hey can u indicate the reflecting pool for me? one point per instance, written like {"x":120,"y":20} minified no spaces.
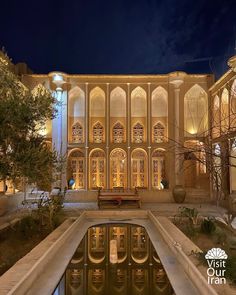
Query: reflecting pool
{"x":115,"y":259}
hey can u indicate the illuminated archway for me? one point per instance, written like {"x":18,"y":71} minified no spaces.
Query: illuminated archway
{"x":139,"y":168}
{"x":159,"y":112}
{"x":118,"y":168}
{"x":195,"y":111}
{"x":76,"y":114}
{"x":97,"y":169}
{"x":158,"y":169}
{"x":76,"y":168}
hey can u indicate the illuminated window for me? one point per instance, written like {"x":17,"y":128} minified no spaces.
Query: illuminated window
{"x":76,"y":161}
{"x":158,"y":169}
{"x":98,"y":133}
{"x":139,"y":168}
{"x":158,"y":133}
{"x":118,"y":133}
{"x":138,"y":133}
{"x":118,"y":168}
{"x":97,"y":169}
{"x":77,"y":133}
{"x":195,"y":111}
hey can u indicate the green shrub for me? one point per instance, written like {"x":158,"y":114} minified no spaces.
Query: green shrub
{"x":208,"y":226}
{"x":219,"y":236}
{"x":28,"y":226}
{"x":191,"y":213}
{"x":231,"y":269}
{"x":190,"y":231}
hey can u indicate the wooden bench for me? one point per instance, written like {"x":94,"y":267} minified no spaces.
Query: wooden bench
{"x":118,"y":197}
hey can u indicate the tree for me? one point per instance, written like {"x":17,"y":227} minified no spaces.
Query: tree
{"x":23,"y":114}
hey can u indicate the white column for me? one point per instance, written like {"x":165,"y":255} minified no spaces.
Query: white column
{"x":107,"y":137}
{"x":177,"y":82}
{"x":59,"y":126}
{"x":128,"y":136}
{"x":149,"y":135}
{"x":59,"y":132}
{"x":86,"y":174}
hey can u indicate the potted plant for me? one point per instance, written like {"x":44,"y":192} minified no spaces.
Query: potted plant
{"x":179,"y":194}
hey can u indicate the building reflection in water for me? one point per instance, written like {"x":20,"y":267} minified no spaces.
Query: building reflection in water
{"x":138,"y":271}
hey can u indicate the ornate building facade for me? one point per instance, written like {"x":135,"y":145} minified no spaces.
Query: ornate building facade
{"x":128,"y":131}
{"x":223,"y":130}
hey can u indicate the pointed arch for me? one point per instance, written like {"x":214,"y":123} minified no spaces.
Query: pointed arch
{"x":118,"y":102}
{"x":233,"y":105}
{"x":97,"y":168}
{"x":159,"y":102}
{"x":159,"y":180}
{"x":76,"y":169}
{"x":139,"y":168}
{"x":216,"y":117}
{"x":76,"y":112}
{"x":195,"y":110}
{"x":224,"y":111}
{"x":76,"y":102}
{"x":118,"y":168}
{"x":138,"y":102}
{"x":97,"y":102}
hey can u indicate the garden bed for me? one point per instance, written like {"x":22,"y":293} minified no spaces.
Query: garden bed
{"x":19,"y":239}
{"x":208,"y":233}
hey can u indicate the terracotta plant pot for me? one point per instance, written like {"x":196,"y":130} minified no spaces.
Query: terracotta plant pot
{"x":179,"y":194}
{"x":3,"y":204}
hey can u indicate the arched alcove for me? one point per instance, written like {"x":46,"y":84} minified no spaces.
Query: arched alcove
{"x":224,"y":110}
{"x":159,"y":180}
{"x":118,"y":168}
{"x":139,"y":109}
{"x":195,"y":111}
{"x":97,"y":169}
{"x":139,"y":168}
{"x":159,"y":112}
{"x":97,"y":110}
{"x":216,"y":117}
{"x":76,"y":111}
{"x":117,"y":111}
{"x":76,"y":168}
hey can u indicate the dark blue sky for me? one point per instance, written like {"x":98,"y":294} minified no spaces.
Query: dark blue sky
{"x":119,"y":36}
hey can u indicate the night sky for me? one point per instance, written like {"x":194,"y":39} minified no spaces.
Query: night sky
{"x":120,"y":36}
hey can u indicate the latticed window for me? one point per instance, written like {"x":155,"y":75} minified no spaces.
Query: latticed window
{"x":138,"y":133}
{"x":118,"y":133}
{"x":77,"y":133}
{"x":97,"y":169}
{"x":98,"y":132}
{"x":158,"y":132}
{"x":158,"y":168}
{"x":77,"y":168}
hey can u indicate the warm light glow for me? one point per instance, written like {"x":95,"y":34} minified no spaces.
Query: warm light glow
{"x":113,"y":252}
{"x":192,"y":131}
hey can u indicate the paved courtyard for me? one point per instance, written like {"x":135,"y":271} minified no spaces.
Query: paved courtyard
{"x":16,"y":209}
